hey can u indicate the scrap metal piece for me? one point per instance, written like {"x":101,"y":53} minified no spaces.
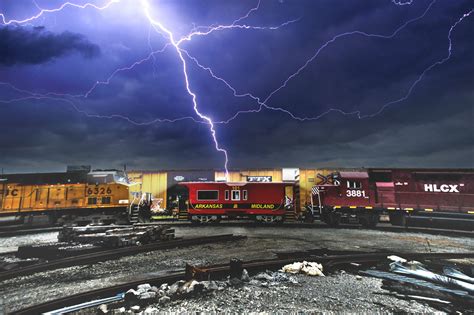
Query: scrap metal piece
{"x":456,"y":273}
{"x":195,"y":273}
{"x":417,"y":282}
{"x":418,"y":271}
{"x":78,"y":307}
{"x":236,"y":268}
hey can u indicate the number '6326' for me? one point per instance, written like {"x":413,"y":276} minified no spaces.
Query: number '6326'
{"x":99,"y":191}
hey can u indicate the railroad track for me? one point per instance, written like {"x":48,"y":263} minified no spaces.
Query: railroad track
{"x":216,"y":272}
{"x":300,"y":225}
{"x":15,"y":232}
{"x":113,"y":254}
{"x":318,"y":225}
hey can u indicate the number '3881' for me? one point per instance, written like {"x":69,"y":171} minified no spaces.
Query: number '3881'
{"x":355,"y":193}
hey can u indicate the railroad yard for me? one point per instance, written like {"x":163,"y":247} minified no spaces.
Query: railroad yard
{"x":259,"y":288}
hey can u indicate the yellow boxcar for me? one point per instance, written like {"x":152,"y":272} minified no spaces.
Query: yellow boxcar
{"x":24,"y":198}
{"x":153,"y":182}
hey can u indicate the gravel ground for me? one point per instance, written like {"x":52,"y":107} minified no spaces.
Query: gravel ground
{"x":261,"y":243}
{"x":334,"y":294}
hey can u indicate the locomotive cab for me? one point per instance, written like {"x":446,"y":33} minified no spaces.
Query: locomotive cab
{"x":345,"y":198}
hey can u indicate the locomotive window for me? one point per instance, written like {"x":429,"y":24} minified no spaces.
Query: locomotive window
{"x":244,"y":195}
{"x":208,"y":195}
{"x":92,"y":201}
{"x":354,"y":184}
{"x":235,"y":194}
{"x":226,"y":195}
{"x":385,"y":177}
{"x":105,"y":200}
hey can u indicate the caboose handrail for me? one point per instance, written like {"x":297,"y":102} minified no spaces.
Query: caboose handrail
{"x":131,"y":204}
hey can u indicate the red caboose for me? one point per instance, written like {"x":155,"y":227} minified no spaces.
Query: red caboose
{"x":213,"y":201}
{"x":408,"y":195}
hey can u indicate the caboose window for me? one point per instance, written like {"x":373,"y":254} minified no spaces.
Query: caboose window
{"x":236,"y":195}
{"x":244,"y":195}
{"x":226,"y":195}
{"x":354,"y":184}
{"x":208,"y":195}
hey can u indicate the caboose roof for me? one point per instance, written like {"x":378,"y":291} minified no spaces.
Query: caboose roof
{"x":354,"y":174}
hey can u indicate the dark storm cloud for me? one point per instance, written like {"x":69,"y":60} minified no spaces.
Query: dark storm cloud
{"x":36,"y":45}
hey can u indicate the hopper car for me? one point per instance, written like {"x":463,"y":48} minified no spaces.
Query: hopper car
{"x":408,"y":196}
{"x":100,"y":197}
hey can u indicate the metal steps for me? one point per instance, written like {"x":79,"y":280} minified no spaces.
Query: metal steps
{"x":183,"y":215}
{"x":134,"y":214}
{"x":290,"y":216}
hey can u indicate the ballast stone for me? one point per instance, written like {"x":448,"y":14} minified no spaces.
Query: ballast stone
{"x":245,"y":276}
{"x":164,"y":300}
{"x":145,"y":287}
{"x":147,"y":295}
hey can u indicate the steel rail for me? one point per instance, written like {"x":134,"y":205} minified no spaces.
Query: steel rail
{"x":220,"y":271}
{"x":381,"y":227}
{"x":14,"y":232}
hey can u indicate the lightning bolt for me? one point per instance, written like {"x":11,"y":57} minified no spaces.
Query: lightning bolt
{"x":427,"y":69}
{"x":401,"y":3}
{"x":263,"y":104}
{"x":64,"y":5}
{"x":175,"y":44}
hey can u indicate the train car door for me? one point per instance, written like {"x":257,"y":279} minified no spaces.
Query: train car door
{"x":177,"y":195}
{"x":385,"y":194}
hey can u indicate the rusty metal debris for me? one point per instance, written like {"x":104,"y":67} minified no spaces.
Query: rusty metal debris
{"x":451,"y":291}
{"x":116,"y":236}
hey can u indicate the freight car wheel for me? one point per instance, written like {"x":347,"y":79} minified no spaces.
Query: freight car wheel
{"x":398,"y":219}
{"x":369,"y":221}
{"x":308,"y":217}
{"x":334,"y":219}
